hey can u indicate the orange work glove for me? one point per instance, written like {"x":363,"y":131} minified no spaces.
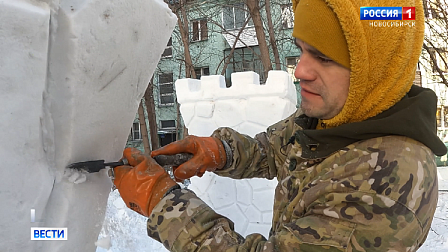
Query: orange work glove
{"x":208,"y":155}
{"x":142,"y":184}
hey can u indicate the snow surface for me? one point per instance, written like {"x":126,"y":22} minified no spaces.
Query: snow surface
{"x":72,"y":73}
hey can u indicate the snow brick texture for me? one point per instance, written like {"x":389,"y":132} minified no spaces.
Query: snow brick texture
{"x":72,"y":73}
{"x":249,"y":108}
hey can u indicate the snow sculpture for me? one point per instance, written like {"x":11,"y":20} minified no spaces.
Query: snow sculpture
{"x":72,"y":73}
{"x":249,"y":108}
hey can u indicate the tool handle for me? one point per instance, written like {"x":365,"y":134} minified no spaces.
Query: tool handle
{"x":162,"y":160}
{"x":124,"y":161}
{"x":173,"y":160}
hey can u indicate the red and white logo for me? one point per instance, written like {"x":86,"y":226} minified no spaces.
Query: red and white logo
{"x":408,"y":13}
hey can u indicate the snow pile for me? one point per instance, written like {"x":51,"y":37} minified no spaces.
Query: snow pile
{"x":437,"y":239}
{"x":125,"y":229}
{"x":72,"y":73}
{"x":103,"y":243}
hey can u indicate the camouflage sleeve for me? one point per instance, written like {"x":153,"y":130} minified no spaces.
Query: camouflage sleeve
{"x":183,"y":222}
{"x":375,"y":195}
{"x":259,"y":156}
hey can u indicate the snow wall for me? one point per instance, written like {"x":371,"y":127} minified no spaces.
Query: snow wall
{"x":249,"y":108}
{"x":72,"y":73}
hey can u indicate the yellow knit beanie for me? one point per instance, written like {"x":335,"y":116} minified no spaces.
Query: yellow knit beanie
{"x":383,"y":55}
{"x":316,"y":24}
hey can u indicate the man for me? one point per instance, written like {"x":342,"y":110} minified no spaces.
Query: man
{"x":355,"y":163}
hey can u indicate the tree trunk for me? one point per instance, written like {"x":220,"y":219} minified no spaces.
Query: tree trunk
{"x":254,"y":10}
{"x":143,"y":130}
{"x":272,"y":35}
{"x":178,"y":124}
{"x":433,"y":59}
{"x":151,"y":111}
{"x":182,"y":22}
{"x":436,"y":20}
{"x":229,"y":57}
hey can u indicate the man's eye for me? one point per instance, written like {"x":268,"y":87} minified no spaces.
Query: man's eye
{"x":324,"y":59}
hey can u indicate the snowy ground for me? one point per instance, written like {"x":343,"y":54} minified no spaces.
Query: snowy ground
{"x":438,"y":236}
{"x":127,"y":229}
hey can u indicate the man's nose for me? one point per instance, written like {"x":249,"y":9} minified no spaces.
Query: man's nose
{"x":303,"y":69}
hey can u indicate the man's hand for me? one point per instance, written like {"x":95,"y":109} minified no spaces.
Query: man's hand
{"x":142,"y":183}
{"x":208,"y":155}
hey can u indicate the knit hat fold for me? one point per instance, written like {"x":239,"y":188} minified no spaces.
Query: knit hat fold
{"x":382,"y":59}
{"x":317,"y":24}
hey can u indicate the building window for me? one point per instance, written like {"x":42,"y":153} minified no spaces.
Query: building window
{"x":167,"y":124}
{"x":166,"y":138}
{"x":169,"y":49}
{"x":166,"y":89}
{"x":135,"y":131}
{"x":442,"y":114}
{"x":287,"y":16}
{"x":234,"y":16}
{"x":200,"y":30}
{"x":244,"y":59}
{"x":291,"y":63}
{"x":167,"y":132}
{"x":202,"y":71}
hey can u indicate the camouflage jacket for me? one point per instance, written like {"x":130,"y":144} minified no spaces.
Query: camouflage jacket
{"x":374,"y":194}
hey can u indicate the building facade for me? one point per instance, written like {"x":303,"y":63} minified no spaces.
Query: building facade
{"x":221,"y":40}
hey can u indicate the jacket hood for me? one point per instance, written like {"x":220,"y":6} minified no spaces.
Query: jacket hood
{"x":383,"y":60}
{"x":413,"y":117}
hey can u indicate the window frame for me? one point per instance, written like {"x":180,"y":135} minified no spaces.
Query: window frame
{"x":165,"y":94}
{"x":202,"y":72}
{"x":245,"y":59}
{"x":167,"y":128}
{"x":169,"y":47}
{"x":439,"y":116}
{"x":285,"y":18}
{"x":246,"y":15}
{"x":291,"y":68}
{"x":133,"y":131}
{"x":199,"y":27}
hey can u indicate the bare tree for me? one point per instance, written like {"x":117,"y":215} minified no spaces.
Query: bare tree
{"x":254,"y":10}
{"x":435,"y":45}
{"x":272,"y":36}
{"x":151,"y":112}
{"x":178,"y":8}
{"x":143,"y":130}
